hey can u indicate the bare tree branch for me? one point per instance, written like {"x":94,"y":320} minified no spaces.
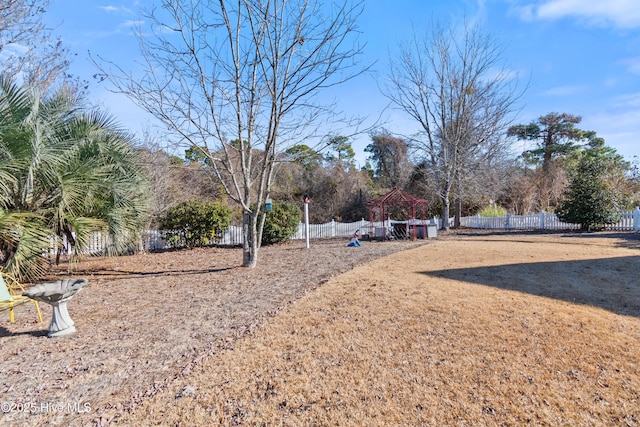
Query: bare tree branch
{"x":27,"y":50}
{"x":452,"y":85}
{"x":240,"y":79}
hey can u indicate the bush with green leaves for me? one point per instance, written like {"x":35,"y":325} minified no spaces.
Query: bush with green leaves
{"x":281,"y":223}
{"x":492,"y":210}
{"x":596,"y":194}
{"x":195,"y":223}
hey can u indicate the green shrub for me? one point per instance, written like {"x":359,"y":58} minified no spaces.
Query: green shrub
{"x":195,"y":223}
{"x":594,"y":197}
{"x":281,"y":223}
{"x":492,"y":210}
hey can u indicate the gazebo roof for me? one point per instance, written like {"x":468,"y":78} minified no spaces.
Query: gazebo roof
{"x":395,"y":197}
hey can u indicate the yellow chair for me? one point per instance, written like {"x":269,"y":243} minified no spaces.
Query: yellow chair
{"x":11,"y":296}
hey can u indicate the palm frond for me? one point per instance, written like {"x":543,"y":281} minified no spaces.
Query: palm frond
{"x":24,"y":244}
{"x":75,"y":170}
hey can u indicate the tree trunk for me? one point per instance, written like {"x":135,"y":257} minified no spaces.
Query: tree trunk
{"x":250,"y":239}
{"x":445,"y":212}
{"x":458,"y":212}
{"x":263,"y":91}
{"x":255,"y":247}
{"x":246,"y":240}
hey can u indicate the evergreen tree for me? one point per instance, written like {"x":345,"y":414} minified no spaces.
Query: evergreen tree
{"x":595,"y":195}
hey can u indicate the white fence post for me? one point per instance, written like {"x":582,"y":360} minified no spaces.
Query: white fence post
{"x":233,"y":236}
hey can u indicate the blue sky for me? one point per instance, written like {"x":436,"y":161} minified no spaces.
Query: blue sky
{"x":576,"y":56}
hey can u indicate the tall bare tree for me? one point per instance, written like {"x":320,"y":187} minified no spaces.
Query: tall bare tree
{"x":452,"y":84}
{"x":240,"y":79}
{"x":482,"y":168}
{"x":27,"y":49}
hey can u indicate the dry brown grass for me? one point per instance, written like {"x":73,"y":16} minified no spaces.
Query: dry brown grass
{"x":484,"y":330}
{"x":469,"y":329}
{"x":146,"y":320}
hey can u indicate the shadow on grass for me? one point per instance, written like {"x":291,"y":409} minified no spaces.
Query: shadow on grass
{"x":4,"y":332}
{"x":609,"y":283}
{"x":129,"y":274}
{"x":628,"y":239}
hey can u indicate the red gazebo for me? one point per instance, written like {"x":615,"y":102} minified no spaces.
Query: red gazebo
{"x":396,"y":202}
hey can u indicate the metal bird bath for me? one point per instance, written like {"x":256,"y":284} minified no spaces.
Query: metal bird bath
{"x":57,"y":294}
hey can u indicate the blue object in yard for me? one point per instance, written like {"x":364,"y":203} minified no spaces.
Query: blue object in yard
{"x":354,"y":242}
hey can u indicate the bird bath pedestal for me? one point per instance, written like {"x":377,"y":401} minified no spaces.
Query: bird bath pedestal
{"x":57,"y":294}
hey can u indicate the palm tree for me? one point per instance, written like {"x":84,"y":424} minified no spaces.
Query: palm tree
{"x":71,"y":172}
{"x":23,"y":240}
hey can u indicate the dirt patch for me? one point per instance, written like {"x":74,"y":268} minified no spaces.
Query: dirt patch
{"x":146,"y":320}
{"x":468,"y":329}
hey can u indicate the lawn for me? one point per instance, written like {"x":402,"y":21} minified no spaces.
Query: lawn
{"x":466,"y":329}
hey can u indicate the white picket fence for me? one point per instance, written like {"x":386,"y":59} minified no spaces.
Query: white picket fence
{"x":233,"y":235}
{"x":154,"y":240}
{"x":629,"y":221}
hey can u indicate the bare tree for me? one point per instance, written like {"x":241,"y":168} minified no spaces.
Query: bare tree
{"x":172,"y":180}
{"x":27,"y":48}
{"x":482,"y":168}
{"x":452,"y":86}
{"x":239,"y":79}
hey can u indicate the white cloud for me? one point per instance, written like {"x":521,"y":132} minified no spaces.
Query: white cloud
{"x":624,"y":139}
{"x":617,"y":13}
{"x":129,"y":24}
{"x":629,"y":100}
{"x":618,"y":122}
{"x":115,"y":9}
{"x":122,"y":28}
{"x":569,"y":90}
{"x":633,"y":64}
{"x":501,"y":74}
{"x":13,"y":49}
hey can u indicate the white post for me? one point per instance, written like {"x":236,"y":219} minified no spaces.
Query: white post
{"x":306,"y":223}
{"x":636,"y":218}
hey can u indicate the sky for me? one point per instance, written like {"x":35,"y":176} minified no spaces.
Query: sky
{"x":571,"y":56}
